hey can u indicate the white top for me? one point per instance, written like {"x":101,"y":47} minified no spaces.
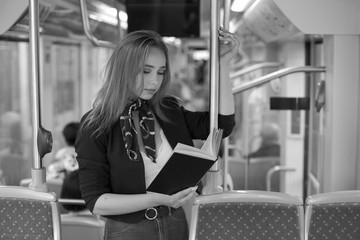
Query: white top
{"x":163,"y":153}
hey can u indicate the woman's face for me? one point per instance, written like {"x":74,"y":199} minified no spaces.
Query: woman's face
{"x":153,"y":74}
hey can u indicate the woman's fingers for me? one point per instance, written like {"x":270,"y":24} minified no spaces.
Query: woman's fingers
{"x":181,"y":197}
{"x":186,"y":192}
{"x":229,"y":44}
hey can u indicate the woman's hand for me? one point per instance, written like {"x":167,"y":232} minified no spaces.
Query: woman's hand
{"x":229,"y":45}
{"x":177,"y":199}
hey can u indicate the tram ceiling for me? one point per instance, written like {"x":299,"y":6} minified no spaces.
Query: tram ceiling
{"x":64,"y":18}
{"x":187,"y":19}
{"x":263,"y":20}
{"x":278,"y":20}
{"x":269,"y":20}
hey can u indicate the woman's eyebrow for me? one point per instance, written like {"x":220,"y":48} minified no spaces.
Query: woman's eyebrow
{"x":151,"y":66}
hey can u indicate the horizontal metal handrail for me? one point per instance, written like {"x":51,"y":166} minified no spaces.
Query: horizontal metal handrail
{"x":254,"y":68}
{"x":71,"y":201}
{"x":277,"y":74}
{"x":86,"y":25}
{"x":314,"y":182}
{"x":272,"y":170}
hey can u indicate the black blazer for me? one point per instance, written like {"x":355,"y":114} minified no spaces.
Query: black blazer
{"x":105,"y":167}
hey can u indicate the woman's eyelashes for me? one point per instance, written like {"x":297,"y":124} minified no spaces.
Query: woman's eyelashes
{"x":147,"y":71}
{"x":161,"y":72}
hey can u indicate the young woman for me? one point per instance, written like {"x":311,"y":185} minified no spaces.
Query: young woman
{"x":127,"y":137}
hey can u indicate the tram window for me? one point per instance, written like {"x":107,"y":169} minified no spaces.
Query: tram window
{"x":15,"y":123}
{"x":176,"y":18}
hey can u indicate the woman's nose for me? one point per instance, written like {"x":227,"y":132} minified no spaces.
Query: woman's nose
{"x":155,"y":78}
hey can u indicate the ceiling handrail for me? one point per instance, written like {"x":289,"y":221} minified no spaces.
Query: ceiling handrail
{"x":86,"y":25}
{"x":254,"y":68}
{"x":274,"y":75}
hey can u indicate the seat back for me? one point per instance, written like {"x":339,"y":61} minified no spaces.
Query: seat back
{"x":28,"y":214}
{"x":82,"y":227}
{"x":333,"y":215}
{"x":54,"y":185}
{"x":247,"y":215}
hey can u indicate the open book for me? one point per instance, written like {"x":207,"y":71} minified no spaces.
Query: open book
{"x":187,"y":165}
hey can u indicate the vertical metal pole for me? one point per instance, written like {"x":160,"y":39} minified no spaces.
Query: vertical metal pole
{"x":37,"y":172}
{"x":34,"y":69}
{"x":213,"y":177}
{"x":214,"y":65}
{"x":227,"y":5}
{"x":119,"y":21}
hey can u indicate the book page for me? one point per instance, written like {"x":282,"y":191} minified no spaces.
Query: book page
{"x":212,"y":143}
{"x":207,"y":146}
{"x":193,"y":151}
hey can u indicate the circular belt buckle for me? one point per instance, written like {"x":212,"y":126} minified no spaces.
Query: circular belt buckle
{"x":155,"y":214}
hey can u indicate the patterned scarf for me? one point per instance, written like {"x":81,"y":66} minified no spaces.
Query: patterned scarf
{"x":147,"y":127}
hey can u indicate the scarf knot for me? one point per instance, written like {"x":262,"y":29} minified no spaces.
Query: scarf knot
{"x":147,"y":130}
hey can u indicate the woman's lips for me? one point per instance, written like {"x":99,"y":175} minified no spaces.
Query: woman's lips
{"x":151,"y":90}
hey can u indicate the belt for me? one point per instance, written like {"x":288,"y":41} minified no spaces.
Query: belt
{"x":159,"y":211}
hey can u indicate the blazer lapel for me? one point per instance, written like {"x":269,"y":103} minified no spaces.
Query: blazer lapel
{"x":169,"y":133}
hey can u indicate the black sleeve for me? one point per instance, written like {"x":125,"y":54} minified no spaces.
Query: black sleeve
{"x":199,"y":123}
{"x":93,"y":166}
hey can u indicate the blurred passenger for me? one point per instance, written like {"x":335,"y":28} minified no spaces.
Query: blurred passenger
{"x":65,"y":158}
{"x":128,"y":136}
{"x":270,"y":146}
{"x":69,"y":133}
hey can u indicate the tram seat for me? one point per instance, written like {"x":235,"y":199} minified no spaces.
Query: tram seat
{"x":54,"y":184}
{"x":82,"y":227}
{"x":28,"y":214}
{"x":258,"y":168}
{"x":25,"y":182}
{"x":333,"y":215}
{"x":247,"y":215}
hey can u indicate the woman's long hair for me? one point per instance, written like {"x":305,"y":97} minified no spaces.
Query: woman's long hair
{"x":119,"y":88}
